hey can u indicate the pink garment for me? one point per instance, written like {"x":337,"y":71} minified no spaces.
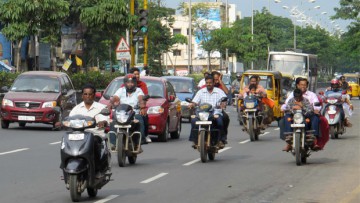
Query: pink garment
{"x":259,"y":89}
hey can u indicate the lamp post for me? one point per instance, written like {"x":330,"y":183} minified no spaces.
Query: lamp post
{"x":190,"y":40}
{"x":252,"y":32}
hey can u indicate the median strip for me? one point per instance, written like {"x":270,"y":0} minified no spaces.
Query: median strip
{"x":154,"y":178}
{"x":13,"y":151}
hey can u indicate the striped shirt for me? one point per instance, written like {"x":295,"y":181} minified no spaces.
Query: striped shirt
{"x":204,"y":96}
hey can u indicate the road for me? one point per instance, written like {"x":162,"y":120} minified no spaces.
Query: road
{"x":171,"y":172}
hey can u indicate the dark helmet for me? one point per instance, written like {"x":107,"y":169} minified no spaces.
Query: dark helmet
{"x":128,"y":78}
{"x":335,"y":83}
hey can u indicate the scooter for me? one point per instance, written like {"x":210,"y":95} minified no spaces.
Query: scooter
{"x":332,"y":113}
{"x":207,"y":143}
{"x":82,"y":167}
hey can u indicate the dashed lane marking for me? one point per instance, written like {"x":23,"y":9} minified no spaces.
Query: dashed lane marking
{"x":54,"y":143}
{"x":154,"y":178}
{"x":277,"y":129}
{"x":246,"y":141}
{"x":108,"y":198}
{"x":13,"y":151}
{"x":197,"y":160}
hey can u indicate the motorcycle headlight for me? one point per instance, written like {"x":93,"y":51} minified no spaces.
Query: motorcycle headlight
{"x":155,"y":110}
{"x":332,"y":101}
{"x":6,"y":102}
{"x":298,"y":118}
{"x":250,"y":105}
{"x":49,"y":104}
{"x":78,"y":123}
{"x":184,"y":103}
{"x":122,"y":117}
{"x":204,"y":116}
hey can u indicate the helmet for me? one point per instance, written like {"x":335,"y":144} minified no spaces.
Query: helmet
{"x":128,"y":78}
{"x":335,"y":83}
{"x":238,"y":75}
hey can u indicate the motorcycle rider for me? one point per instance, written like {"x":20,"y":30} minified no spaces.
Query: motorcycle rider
{"x":142,"y":85}
{"x":259,"y":88}
{"x":335,"y":87}
{"x":91,"y":108}
{"x":131,"y":95}
{"x":211,"y":95}
{"x":298,"y":102}
{"x":302,"y":84}
{"x":202,"y":81}
{"x":235,"y":85}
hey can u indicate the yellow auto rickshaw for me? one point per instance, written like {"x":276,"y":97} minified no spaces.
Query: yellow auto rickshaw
{"x":354,"y":82}
{"x":276,"y":85}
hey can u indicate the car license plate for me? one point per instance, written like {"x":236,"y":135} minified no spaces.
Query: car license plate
{"x":76,"y":136}
{"x":26,"y":118}
{"x":297,"y":125}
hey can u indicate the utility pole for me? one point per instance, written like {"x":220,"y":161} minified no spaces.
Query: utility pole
{"x":227,"y":25}
{"x":190,"y":40}
{"x":252,"y":32}
{"x":146,"y":39}
{"x":132,"y":47}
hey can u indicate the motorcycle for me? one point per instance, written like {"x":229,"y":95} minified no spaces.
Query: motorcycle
{"x":128,"y":139}
{"x":332,"y":113}
{"x":207,"y":143}
{"x":82,"y":167}
{"x":250,"y":116}
{"x":302,"y":140}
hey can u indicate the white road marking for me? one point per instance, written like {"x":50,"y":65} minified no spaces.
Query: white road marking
{"x":154,"y":178}
{"x":54,"y":143}
{"x":17,"y":150}
{"x":197,"y":160}
{"x":246,"y":141}
{"x":108,"y":198}
{"x":265,"y":133}
{"x":277,"y":129}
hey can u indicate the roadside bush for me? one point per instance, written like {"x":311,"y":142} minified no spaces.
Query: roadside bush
{"x":100,"y":80}
{"x":7,"y":78}
{"x":197,"y":77}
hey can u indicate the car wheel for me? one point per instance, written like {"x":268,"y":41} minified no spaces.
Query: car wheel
{"x":163,"y":137}
{"x":22,"y":124}
{"x":176,"y":134}
{"x":58,"y":120}
{"x":5,"y":124}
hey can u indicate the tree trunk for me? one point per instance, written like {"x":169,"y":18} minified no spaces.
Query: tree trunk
{"x":18,"y":57}
{"x":209,"y":62}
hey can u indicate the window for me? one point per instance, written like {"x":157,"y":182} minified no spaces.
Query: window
{"x":176,"y":31}
{"x":177,"y":52}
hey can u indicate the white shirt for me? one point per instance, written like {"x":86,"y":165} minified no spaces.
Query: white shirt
{"x":202,"y":82}
{"x":204,"y":96}
{"x":131,"y":99}
{"x":311,"y":96}
{"x":92,"y":112}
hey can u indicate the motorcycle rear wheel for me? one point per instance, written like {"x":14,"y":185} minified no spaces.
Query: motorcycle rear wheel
{"x":333,"y":134}
{"x":203,"y":150}
{"x":92,"y":192}
{"x":121,"y":154}
{"x":251,"y":130}
{"x":132,"y":159}
{"x":297,"y":149}
{"x":73,"y":184}
{"x":211,"y":156}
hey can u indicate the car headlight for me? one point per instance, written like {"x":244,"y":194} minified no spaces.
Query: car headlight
{"x":155,"y":110}
{"x":184,"y":103}
{"x":250,"y":105}
{"x":49,"y":104}
{"x":298,"y":118}
{"x":122,"y":117}
{"x":204,"y":116}
{"x":6,"y":102}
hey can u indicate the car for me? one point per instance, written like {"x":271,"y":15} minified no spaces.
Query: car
{"x":163,"y":107}
{"x":185,"y":87}
{"x":33,"y":96}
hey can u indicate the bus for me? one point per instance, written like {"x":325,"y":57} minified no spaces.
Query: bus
{"x":296,"y":64}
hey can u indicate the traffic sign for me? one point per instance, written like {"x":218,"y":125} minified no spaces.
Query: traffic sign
{"x":122,"y":46}
{"x":124,"y":55}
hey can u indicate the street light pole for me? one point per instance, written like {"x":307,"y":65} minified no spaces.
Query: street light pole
{"x":227,"y":25}
{"x":252,"y":32}
{"x":190,"y":40}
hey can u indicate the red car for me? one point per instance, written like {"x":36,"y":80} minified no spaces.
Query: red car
{"x":33,"y":96}
{"x":164,"y":108}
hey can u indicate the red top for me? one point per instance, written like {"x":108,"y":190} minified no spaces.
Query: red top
{"x":142,"y":86}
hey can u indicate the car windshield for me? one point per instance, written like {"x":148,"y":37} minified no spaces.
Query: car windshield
{"x":155,"y":88}
{"x":36,"y":83}
{"x":182,"y":86}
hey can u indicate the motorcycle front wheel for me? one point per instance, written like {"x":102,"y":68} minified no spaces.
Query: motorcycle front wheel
{"x":251,"y":129}
{"x":203,"y":150}
{"x":121,"y":154}
{"x":297,"y":149}
{"x":92,"y":192}
{"x":74,"y":188}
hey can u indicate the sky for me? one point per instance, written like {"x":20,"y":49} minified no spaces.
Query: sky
{"x":306,"y":6}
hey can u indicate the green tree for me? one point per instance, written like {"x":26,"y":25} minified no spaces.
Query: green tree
{"x":22,"y":18}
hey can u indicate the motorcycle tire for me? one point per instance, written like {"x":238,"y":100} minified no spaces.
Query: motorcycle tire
{"x":132,"y":159}
{"x":211,"y":156}
{"x":74,"y":186}
{"x":203,"y":147}
{"x":303,"y":158}
{"x":121,"y":154}
{"x":92,"y":192}
{"x":298,"y":149}
{"x":333,"y":134}
{"x":251,"y":130}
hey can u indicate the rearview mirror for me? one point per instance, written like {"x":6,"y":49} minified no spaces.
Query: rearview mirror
{"x":105,"y":112}
{"x":57,"y":109}
{"x":317,"y":104}
{"x":188,"y":99}
{"x":224,"y":99}
{"x":98,"y":95}
{"x":171,"y":98}
{"x":4,"y":89}
{"x":64,"y":91}
{"x":146,"y":97}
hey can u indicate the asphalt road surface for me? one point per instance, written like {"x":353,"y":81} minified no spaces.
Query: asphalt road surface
{"x":171,"y":172}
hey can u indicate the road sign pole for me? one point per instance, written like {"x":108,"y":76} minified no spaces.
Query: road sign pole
{"x":146,"y":38}
{"x":132,"y":48}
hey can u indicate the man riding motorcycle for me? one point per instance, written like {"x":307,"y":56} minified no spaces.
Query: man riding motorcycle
{"x":235,"y":85}
{"x":210,"y":95}
{"x":335,"y":87}
{"x":132,"y":95}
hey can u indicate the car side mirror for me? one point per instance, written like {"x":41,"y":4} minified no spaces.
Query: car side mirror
{"x":64,"y":92}
{"x":188,"y":100}
{"x":224,"y":99}
{"x":317,"y":104}
{"x":57,"y":109}
{"x":146,"y":97}
{"x":171,"y":98}
{"x":105,"y":112}
{"x":4,"y":89}
{"x":98,"y":95}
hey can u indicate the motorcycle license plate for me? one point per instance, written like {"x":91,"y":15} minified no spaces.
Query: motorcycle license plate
{"x":76,"y":136}
{"x":26,"y":118}
{"x":250,"y":110}
{"x":297,"y":125}
{"x":203,"y":123}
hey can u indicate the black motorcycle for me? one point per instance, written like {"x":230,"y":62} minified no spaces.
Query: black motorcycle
{"x":251,"y":117}
{"x":84,"y":157}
